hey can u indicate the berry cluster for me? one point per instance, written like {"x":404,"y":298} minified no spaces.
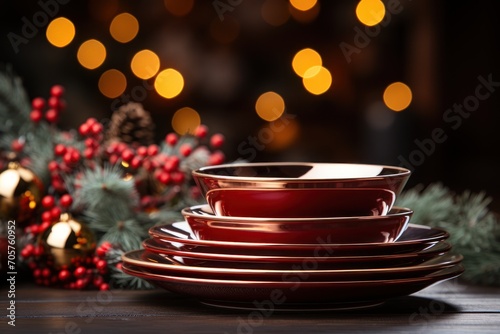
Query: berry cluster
{"x":55,"y":105}
{"x":83,"y":272}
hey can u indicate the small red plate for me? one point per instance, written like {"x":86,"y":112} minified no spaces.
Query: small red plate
{"x":366,"y":229}
{"x":179,"y":236}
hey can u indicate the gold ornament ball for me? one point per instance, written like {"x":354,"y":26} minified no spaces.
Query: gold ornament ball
{"x":20,"y":193}
{"x":67,"y":239}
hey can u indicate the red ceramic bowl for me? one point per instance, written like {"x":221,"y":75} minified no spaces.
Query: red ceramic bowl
{"x":363,"y":229}
{"x":301,"y":175}
{"x":300,"y":203}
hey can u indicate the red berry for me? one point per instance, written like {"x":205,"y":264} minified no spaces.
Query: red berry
{"x":46,"y":216}
{"x":53,"y":166}
{"x":91,"y":121}
{"x":25,"y":253}
{"x":136,"y":162}
{"x":59,"y":149}
{"x":104,"y":287}
{"x":48,"y":202}
{"x":91,"y":143}
{"x":36,"y":116}
{"x":88,"y":153}
{"x":185,"y":149}
{"x":66,"y":200}
{"x":171,"y":139}
{"x":101,"y":265}
{"x":17,"y":145}
{"x":106,"y":245}
{"x":153,"y":150}
{"x":217,"y":140}
{"x":178,"y":177}
{"x":113,"y":159}
{"x":75,"y":156}
{"x":84,"y":129}
{"x":80,"y":272}
{"x":142,"y":151}
{"x":57,"y":91}
{"x":34,"y":229}
{"x":120,"y":147}
{"x":52,"y":115}
{"x":127,"y":155}
{"x":216,"y":158}
{"x":164,"y":177}
{"x":119,"y":266}
{"x":38,"y":103}
{"x":37,"y":273}
{"x":171,"y":164}
{"x":98,"y":280}
{"x":81,"y":283}
{"x":55,"y":213}
{"x":96,"y":128}
{"x":201,"y":131}
{"x":54,"y":103}
{"x":44,"y":226}
{"x":46,"y":272}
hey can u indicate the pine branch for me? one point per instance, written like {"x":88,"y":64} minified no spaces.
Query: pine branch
{"x":129,"y":234}
{"x":103,"y":192}
{"x":474,"y":230}
{"x":14,"y":104}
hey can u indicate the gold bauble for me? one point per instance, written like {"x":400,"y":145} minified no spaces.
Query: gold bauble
{"x":20,"y":193}
{"x":66,"y":240}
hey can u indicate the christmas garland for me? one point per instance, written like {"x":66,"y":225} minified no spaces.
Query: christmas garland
{"x":83,"y":198}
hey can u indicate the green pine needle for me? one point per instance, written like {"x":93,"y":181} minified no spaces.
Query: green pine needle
{"x":474,"y":230}
{"x":129,"y":234}
{"x":104,"y":192}
{"x":14,"y":104}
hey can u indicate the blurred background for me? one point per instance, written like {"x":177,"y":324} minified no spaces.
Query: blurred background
{"x":410,"y":83}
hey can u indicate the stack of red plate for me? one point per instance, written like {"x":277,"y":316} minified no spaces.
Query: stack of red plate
{"x":296,"y":236}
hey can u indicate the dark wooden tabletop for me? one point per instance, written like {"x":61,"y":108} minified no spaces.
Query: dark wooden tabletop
{"x":449,"y":307}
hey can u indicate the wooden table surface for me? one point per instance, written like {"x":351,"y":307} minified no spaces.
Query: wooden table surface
{"x":448,"y":307}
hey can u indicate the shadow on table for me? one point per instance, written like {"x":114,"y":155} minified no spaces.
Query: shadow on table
{"x":415,"y":307}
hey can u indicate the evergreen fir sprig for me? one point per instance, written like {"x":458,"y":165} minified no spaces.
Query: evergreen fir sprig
{"x":103,"y":191}
{"x":474,"y":229}
{"x":14,"y":104}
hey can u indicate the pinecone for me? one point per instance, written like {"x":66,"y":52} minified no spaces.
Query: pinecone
{"x":132,"y":125}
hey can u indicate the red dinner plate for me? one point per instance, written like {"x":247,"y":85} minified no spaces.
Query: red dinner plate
{"x":322,"y":260}
{"x":296,"y":295}
{"x":163,"y":265}
{"x":179,"y":236}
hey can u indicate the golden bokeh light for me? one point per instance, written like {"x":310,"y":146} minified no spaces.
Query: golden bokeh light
{"x":60,"y":32}
{"x":169,"y":83}
{"x":270,"y":106}
{"x":145,"y":64}
{"x":303,"y":5}
{"x":112,"y":83}
{"x":179,"y":8}
{"x":370,"y":12}
{"x":275,"y":12}
{"x":91,"y":54}
{"x":185,"y":120}
{"x":317,"y":80}
{"x":285,"y":134}
{"x":397,"y":96}
{"x":304,"y":16}
{"x":124,"y":27}
{"x":304,"y":60}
